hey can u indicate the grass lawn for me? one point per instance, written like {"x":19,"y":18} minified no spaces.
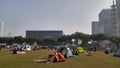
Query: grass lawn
{"x":98,"y":60}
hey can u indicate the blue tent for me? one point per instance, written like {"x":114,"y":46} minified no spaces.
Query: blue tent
{"x":61,"y":48}
{"x":68,"y":52}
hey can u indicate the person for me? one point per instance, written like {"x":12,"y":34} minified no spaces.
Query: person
{"x":52,"y":52}
{"x":15,"y":50}
{"x":107,"y":50}
{"x":94,"y":48}
{"x":75,"y":52}
{"x":0,"y":47}
{"x":87,"y":52}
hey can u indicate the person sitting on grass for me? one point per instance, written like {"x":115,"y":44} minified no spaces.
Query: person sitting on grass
{"x":15,"y":50}
{"x":75,"y":52}
{"x":87,"y":52}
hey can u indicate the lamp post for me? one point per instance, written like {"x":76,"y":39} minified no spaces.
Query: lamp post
{"x":79,"y":41}
{"x":73,"y":40}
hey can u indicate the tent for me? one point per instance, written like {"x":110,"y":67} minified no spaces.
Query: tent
{"x":61,"y":48}
{"x":26,"y":47}
{"x":56,"y":57}
{"x":35,"y":46}
{"x":80,"y":49}
{"x":117,"y":53}
{"x":68,"y":51}
{"x":53,"y":57}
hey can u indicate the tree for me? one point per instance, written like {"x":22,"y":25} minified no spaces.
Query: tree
{"x":99,"y":37}
{"x":49,"y":41}
{"x":18,"y":39}
{"x":115,"y":40}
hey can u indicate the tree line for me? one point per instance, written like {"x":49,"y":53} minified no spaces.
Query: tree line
{"x":57,"y":41}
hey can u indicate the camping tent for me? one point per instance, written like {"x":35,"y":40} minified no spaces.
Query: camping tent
{"x":26,"y":47}
{"x":67,"y":50}
{"x":53,"y":57}
{"x":117,"y":53}
{"x":69,"y":53}
{"x":80,"y":49}
{"x":35,"y":46}
{"x":61,"y":48}
{"x":56,"y":57}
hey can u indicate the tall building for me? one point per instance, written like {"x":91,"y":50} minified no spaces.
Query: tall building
{"x":1,"y":28}
{"x":118,"y":9}
{"x":114,"y":20}
{"x":95,"y":29}
{"x":109,"y":20}
{"x":105,"y":25}
{"x":44,"y":34}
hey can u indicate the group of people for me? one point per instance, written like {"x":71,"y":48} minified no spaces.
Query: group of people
{"x":67,"y":52}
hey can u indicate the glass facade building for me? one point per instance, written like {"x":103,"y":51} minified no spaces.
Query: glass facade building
{"x":43,"y":34}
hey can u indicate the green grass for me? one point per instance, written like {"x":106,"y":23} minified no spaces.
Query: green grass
{"x":98,"y":60}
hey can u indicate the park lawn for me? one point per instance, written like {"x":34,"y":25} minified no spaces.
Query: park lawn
{"x":98,"y":60}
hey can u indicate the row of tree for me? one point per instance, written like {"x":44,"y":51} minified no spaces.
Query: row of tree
{"x":21,"y":40}
{"x":57,"y":41}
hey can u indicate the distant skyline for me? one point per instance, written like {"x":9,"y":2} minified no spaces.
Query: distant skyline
{"x":68,"y":15}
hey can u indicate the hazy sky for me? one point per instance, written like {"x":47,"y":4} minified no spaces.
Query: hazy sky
{"x":67,"y":15}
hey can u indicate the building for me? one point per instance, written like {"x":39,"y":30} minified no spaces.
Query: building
{"x":118,"y":9}
{"x":44,"y":34}
{"x":109,"y":20}
{"x":114,"y":20}
{"x":95,"y":29}
{"x":105,"y":24}
{"x":1,"y":28}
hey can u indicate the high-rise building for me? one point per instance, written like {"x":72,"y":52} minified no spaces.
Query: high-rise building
{"x":109,"y":20}
{"x":95,"y":29}
{"x":118,"y":9}
{"x":105,"y":25}
{"x":1,"y":28}
{"x":114,"y":20}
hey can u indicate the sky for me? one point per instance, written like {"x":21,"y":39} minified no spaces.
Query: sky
{"x":68,"y":15}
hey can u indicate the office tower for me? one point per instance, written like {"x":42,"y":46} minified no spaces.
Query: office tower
{"x":1,"y":28}
{"x":118,"y":7}
{"x":105,"y":25}
{"x":95,"y":25}
{"x":118,"y":10}
{"x":109,"y":20}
